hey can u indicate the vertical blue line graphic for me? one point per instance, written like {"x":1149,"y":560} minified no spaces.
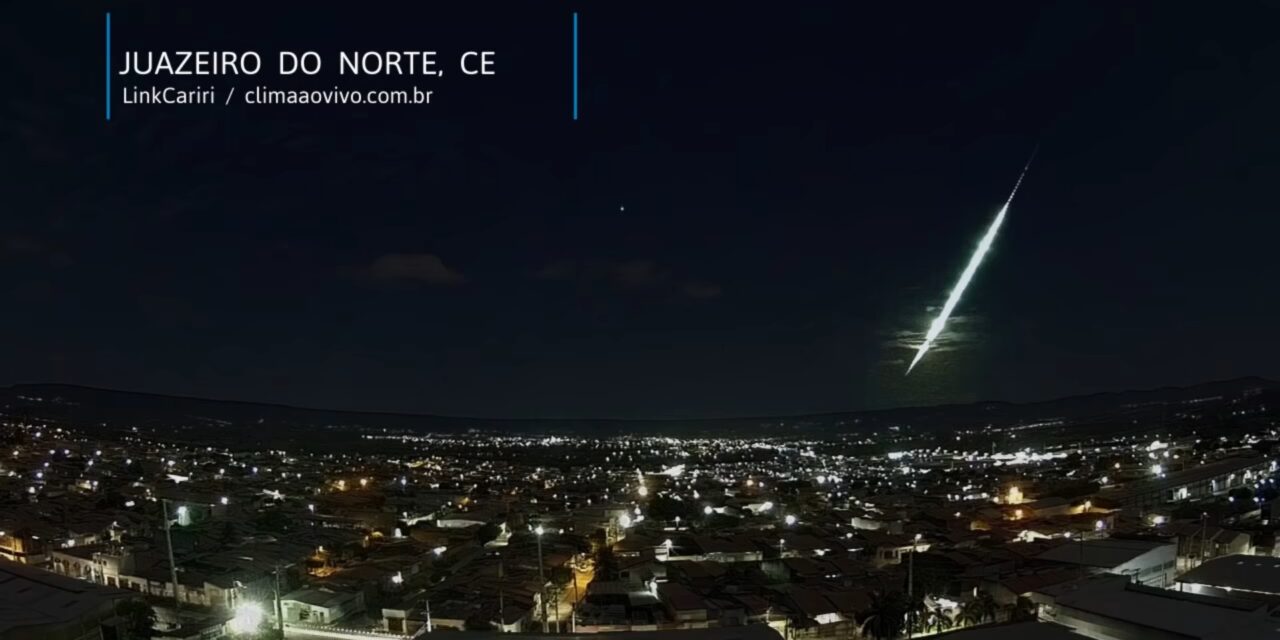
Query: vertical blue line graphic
{"x":575,"y":65}
{"x":108,"y":66}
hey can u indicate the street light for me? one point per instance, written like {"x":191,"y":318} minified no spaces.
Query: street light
{"x":542,"y":580}
{"x":249,"y":616}
{"x":911,"y":566}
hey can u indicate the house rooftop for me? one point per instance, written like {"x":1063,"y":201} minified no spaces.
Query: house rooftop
{"x":1112,"y":597}
{"x":1106,"y":553}
{"x":1258,"y":574}
{"x":32,"y":597}
{"x":1015,"y":631}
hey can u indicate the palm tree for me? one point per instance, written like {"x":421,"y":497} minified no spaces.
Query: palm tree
{"x":969,"y":614}
{"x":1024,"y":609}
{"x":982,"y":608}
{"x":987,"y":606}
{"x":917,"y":615}
{"x":139,"y":618}
{"x":938,"y":622}
{"x":886,"y":617}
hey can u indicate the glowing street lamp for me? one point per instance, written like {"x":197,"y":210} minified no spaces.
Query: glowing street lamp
{"x":542,"y":580}
{"x":248,"y":618}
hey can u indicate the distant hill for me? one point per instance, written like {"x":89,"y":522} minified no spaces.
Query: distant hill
{"x":203,"y":418}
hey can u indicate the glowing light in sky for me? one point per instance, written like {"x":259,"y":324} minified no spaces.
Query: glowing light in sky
{"x":940,"y":322}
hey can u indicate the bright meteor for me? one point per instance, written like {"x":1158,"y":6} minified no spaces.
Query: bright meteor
{"x":935,"y":328}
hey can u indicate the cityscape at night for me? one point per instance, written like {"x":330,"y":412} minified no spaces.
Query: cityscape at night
{"x":639,"y":321}
{"x":873,"y":528}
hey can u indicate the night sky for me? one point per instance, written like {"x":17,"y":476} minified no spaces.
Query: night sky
{"x":755,"y":214}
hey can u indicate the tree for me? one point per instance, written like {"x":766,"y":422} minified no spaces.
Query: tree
{"x":1241,"y":494}
{"x":139,"y":618}
{"x":229,"y":534}
{"x":1024,"y":609}
{"x":887,"y":616}
{"x":598,"y":539}
{"x":606,"y":563}
{"x":561,"y":575}
{"x":937,"y":622}
{"x":272,"y":520}
{"x":988,"y":606}
{"x":666,"y":509}
{"x":980,"y":609}
{"x":488,"y":532}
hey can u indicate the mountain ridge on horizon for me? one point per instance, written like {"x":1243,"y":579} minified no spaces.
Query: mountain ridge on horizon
{"x":110,"y":400}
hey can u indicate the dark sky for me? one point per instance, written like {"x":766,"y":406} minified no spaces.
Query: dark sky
{"x":759,"y":205}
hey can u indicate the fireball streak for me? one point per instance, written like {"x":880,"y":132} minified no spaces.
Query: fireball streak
{"x":935,"y":328}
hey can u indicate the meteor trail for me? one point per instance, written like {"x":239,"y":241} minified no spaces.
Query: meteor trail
{"x":935,"y":328}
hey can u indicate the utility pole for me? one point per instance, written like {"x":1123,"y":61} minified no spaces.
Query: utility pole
{"x":911,"y":583}
{"x":173,"y":566}
{"x":502,"y":607}
{"x":428,"y":603}
{"x":278,"y":607}
{"x":542,"y":580}
{"x":1204,"y":531}
{"x":573,"y":610}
